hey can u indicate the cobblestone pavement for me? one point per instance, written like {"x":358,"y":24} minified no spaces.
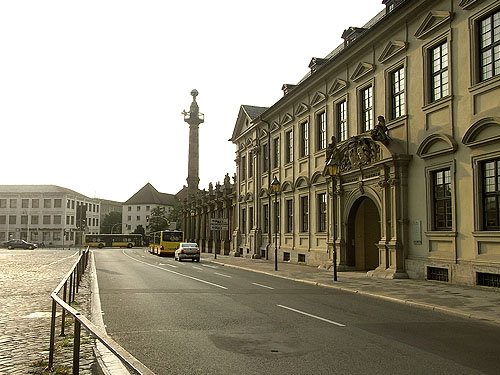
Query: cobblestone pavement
{"x":27,"y":277}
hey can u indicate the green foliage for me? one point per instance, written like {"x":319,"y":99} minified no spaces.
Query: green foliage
{"x":140,"y":230}
{"x":111,"y":221}
{"x":175,"y":216}
{"x":158,"y":219}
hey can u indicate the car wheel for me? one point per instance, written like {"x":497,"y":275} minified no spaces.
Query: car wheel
{"x":129,"y":245}
{"x":100,"y":246}
{"x":10,"y":247}
{"x":30,"y":248}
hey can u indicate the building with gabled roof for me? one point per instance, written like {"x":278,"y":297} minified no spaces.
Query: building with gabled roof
{"x":137,"y":209}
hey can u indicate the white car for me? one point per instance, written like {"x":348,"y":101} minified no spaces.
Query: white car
{"x":187,"y":250}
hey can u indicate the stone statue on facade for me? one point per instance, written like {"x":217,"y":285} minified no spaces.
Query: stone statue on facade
{"x":379,"y":133}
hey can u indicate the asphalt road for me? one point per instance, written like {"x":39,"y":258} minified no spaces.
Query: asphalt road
{"x":201,"y":318}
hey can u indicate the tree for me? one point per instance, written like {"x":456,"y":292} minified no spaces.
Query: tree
{"x":110,"y":222}
{"x":140,"y":230}
{"x":175,"y":216}
{"x":158,"y":219}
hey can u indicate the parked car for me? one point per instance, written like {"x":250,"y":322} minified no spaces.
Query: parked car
{"x":19,"y":244}
{"x":187,"y":250}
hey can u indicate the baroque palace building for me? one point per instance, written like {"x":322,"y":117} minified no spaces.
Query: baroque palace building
{"x":407,"y":110}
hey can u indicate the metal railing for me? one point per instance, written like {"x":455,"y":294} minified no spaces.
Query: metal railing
{"x":69,"y":286}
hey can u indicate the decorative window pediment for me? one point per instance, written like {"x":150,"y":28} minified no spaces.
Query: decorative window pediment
{"x":301,"y":108}
{"x":286,"y":119}
{"x":263,"y":193}
{"x":287,"y":187}
{"x":362,"y":70}
{"x":338,"y":86}
{"x":432,"y":22}
{"x":437,"y":145}
{"x":469,"y":4}
{"x":318,"y":98}
{"x":484,"y":131}
{"x":275,"y":126}
{"x":302,"y":183}
{"x":393,"y":48}
{"x":317,"y":178}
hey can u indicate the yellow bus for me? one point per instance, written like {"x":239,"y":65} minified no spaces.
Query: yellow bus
{"x":165,"y":242}
{"x":113,"y":240}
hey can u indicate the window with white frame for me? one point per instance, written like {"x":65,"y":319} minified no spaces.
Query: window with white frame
{"x":289,"y":146}
{"x":341,"y":120}
{"x":367,"y":108}
{"x":490,"y":194}
{"x":304,"y":139}
{"x":439,"y":79}
{"x":265,"y":157}
{"x":489,"y":45}
{"x":398,"y":101}
{"x":265,"y":218}
{"x":441,"y":199}
{"x":243,"y":172}
{"x":250,"y":164}
{"x":321,"y":226}
{"x":276,"y":152}
{"x":289,"y":215}
{"x":304,"y":213}
{"x":321,"y":131}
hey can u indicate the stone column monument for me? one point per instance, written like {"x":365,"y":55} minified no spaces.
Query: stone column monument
{"x":194,"y":118}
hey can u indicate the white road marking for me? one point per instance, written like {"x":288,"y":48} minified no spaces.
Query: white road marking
{"x":263,"y":286}
{"x":221,"y":274}
{"x":167,"y":264}
{"x":175,"y":273}
{"x":312,"y":316}
{"x":209,"y":266}
{"x":198,"y":268}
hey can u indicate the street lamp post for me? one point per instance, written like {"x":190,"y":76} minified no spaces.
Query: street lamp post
{"x":331,"y":169}
{"x":275,"y":188}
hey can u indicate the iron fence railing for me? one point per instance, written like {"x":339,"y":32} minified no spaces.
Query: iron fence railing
{"x":69,"y":286}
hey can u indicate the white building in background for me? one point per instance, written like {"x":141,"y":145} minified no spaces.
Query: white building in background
{"x":46,"y":213}
{"x":137,"y":209}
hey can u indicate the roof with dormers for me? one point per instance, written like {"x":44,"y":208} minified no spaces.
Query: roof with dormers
{"x":149,"y":195}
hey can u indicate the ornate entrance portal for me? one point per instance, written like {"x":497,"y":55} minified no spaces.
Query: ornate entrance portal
{"x":362,"y":253}
{"x":371,"y":196}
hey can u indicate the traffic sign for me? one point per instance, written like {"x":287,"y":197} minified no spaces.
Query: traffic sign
{"x":219,"y":224}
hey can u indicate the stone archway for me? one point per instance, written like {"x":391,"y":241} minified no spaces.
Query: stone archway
{"x":363,"y":235}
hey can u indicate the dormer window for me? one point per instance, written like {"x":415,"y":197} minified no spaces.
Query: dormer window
{"x":287,"y":88}
{"x":351,"y":34}
{"x":316,"y":63}
{"x":390,"y":5}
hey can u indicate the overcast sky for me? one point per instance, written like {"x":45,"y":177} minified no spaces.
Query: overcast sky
{"x":91,"y":92}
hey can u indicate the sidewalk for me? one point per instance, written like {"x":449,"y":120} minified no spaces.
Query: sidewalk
{"x":27,"y":277}
{"x":480,"y":303}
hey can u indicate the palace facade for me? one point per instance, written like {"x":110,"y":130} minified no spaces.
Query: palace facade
{"x":407,"y":112}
